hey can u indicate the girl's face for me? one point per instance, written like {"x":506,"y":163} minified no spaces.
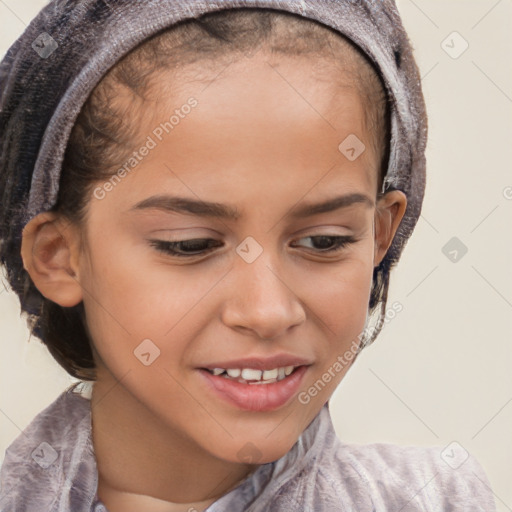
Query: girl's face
{"x":284,"y":282}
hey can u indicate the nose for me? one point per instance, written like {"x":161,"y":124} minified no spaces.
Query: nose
{"x":261,"y":302}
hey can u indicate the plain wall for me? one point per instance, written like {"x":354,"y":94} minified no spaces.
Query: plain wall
{"x":440,"y":370}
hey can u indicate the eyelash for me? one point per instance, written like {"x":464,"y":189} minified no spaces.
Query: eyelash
{"x":168,"y":247}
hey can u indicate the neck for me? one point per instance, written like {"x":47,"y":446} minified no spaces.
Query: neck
{"x":137,"y":454}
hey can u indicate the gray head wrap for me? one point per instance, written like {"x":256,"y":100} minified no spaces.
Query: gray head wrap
{"x":49,"y":72}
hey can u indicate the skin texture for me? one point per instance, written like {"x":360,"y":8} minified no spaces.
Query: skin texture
{"x":263,"y":137}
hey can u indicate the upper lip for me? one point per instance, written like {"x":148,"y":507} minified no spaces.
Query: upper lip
{"x":260,"y":363}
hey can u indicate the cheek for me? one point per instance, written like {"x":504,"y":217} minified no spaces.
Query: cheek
{"x":340,"y":302}
{"x":134,"y":296}
{"x":341,"y":293}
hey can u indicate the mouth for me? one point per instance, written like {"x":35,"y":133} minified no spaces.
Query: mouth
{"x":253,"y":389}
{"x":253,"y":376}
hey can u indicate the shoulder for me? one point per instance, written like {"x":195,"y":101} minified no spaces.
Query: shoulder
{"x":41,"y":460}
{"x":57,"y":424}
{"x":411,"y":478}
{"x":331,"y":475}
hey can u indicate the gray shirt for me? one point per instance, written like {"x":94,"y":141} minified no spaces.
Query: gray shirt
{"x":50,"y":467}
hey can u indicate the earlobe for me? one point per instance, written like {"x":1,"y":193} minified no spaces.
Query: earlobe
{"x":48,"y":250}
{"x":390,"y":211}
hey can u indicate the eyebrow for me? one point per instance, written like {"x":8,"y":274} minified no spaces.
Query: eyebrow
{"x":223,"y":211}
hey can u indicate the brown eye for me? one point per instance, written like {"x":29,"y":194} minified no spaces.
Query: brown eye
{"x":186,"y":248}
{"x":330,"y":243}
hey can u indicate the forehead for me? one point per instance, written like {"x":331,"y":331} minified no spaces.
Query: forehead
{"x":286,"y":84}
{"x":263,"y":122}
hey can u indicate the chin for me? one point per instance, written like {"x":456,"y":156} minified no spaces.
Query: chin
{"x":257,"y":450}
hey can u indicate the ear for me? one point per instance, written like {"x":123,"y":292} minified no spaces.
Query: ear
{"x":49,"y":249}
{"x":389,"y":213}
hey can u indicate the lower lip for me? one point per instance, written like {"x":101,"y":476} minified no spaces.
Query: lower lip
{"x":256,"y":397}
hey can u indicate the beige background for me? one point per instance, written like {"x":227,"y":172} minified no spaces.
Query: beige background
{"x":440,"y":371}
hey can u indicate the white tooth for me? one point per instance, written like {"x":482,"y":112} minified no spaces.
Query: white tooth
{"x":281,"y":374}
{"x":218,"y":371}
{"x":234,"y":372}
{"x":270,"y":374}
{"x":288,"y":369}
{"x":250,"y":374}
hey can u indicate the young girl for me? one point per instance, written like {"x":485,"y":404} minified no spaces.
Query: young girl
{"x":202,"y":203}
